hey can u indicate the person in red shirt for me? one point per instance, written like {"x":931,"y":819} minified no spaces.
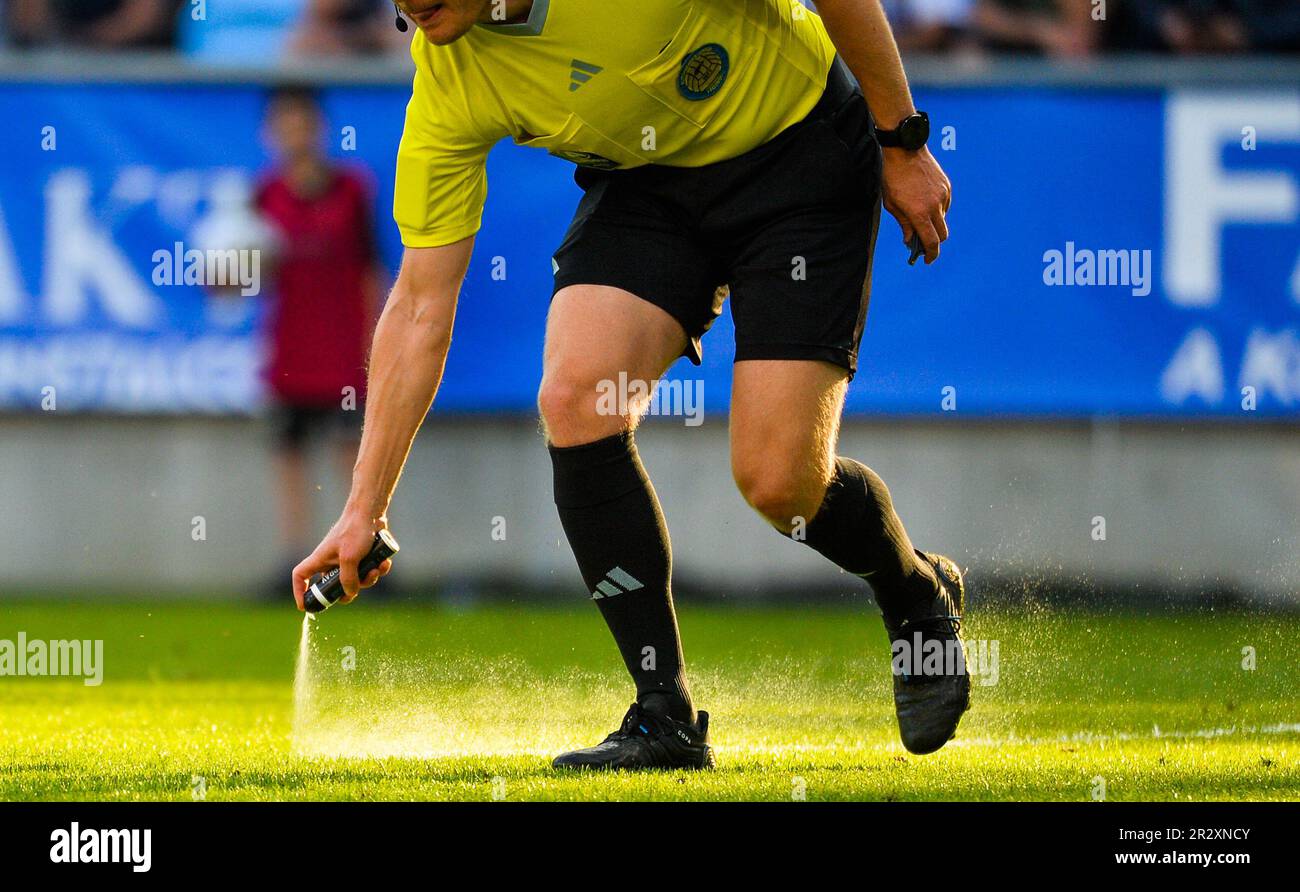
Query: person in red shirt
{"x":326,"y":280}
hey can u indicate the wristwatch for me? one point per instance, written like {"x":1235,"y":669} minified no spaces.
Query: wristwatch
{"x":911,"y":133}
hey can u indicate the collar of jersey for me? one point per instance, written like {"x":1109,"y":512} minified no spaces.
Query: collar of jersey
{"x":530,"y":28}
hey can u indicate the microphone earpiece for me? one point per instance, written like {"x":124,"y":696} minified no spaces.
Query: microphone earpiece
{"x":401,"y":22}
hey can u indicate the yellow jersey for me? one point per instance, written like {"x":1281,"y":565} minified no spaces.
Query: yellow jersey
{"x":601,"y":83}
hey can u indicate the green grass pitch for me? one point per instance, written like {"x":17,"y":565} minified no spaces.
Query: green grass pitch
{"x":408,"y":702}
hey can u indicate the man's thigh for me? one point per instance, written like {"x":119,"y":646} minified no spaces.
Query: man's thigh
{"x":802,"y":223}
{"x":632,"y":232}
{"x":605,"y":347}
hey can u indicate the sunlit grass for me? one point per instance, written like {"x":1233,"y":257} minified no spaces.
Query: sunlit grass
{"x":409,"y":703}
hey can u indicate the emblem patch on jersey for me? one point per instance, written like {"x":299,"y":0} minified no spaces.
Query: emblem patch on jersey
{"x":703,"y":72}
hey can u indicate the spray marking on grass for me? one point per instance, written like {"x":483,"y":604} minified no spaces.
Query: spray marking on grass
{"x":445,"y":702}
{"x":302,"y":677}
{"x":433,"y":706}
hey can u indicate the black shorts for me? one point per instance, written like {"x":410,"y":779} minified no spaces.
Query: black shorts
{"x":296,"y":423}
{"x":790,"y":226}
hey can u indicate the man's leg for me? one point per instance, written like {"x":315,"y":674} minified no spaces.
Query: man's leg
{"x":596,"y":337}
{"x":292,"y":489}
{"x":785,"y":417}
{"x":293,"y":492}
{"x":784,"y":423}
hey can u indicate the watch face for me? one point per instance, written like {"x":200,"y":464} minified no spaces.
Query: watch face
{"x":914,"y":131}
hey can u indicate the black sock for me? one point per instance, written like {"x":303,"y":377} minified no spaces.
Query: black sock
{"x":858,"y":529}
{"x":616,"y":530}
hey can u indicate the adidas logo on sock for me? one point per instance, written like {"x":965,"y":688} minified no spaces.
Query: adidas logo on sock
{"x":616,"y":582}
{"x":580,"y":72}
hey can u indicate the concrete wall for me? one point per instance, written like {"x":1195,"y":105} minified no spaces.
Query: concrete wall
{"x":99,"y":504}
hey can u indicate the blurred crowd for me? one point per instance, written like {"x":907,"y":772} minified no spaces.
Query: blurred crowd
{"x":234,"y":31}
{"x":1077,"y":28}
{"x":252,"y":31}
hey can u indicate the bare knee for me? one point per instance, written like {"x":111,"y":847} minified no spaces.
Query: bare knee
{"x":779,"y":491}
{"x":570,"y":410}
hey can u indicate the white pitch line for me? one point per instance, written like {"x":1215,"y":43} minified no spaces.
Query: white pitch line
{"x":1014,"y":740}
{"x":1121,"y":736}
{"x":381,"y":751}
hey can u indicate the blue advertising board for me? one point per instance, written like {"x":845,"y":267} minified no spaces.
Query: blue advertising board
{"x":1118,"y":252}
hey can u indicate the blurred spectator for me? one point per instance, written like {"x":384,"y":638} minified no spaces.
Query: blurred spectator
{"x":102,"y":24}
{"x":339,"y":27}
{"x":1050,"y":27}
{"x":327,"y":281}
{"x":931,"y":25}
{"x":1270,"y":25}
{"x":1209,"y":26}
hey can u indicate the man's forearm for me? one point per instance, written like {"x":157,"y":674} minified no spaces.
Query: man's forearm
{"x":865,"y":42}
{"x":406,"y":365}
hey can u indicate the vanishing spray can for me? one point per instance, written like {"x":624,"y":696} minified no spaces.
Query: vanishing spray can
{"x":326,"y":591}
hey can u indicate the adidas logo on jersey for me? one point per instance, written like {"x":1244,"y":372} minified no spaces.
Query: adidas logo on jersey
{"x":580,"y":72}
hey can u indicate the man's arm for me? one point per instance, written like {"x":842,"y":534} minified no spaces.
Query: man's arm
{"x":406,"y":363}
{"x":916,"y":191}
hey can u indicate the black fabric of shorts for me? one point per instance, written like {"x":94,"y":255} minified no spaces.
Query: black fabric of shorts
{"x":790,"y":227}
{"x":295,"y":423}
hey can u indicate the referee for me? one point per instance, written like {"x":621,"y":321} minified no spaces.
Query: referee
{"x":718,"y":143}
